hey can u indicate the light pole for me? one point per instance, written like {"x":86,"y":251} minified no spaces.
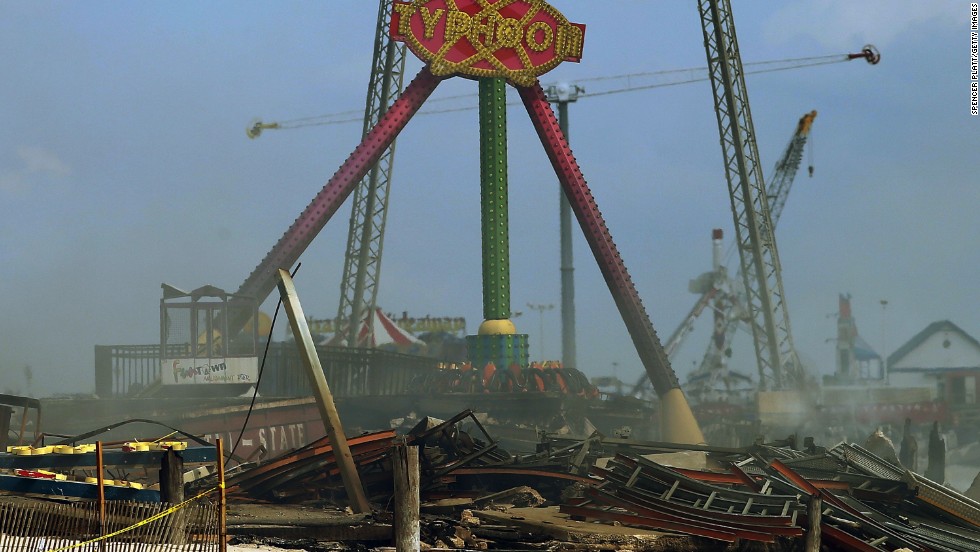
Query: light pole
{"x":540,"y":309}
{"x":563,"y":94}
{"x":616,"y":380}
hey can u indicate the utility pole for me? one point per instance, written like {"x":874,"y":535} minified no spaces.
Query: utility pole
{"x":540,"y":309}
{"x":563,"y":94}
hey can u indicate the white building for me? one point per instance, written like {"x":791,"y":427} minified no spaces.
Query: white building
{"x":942,"y":357}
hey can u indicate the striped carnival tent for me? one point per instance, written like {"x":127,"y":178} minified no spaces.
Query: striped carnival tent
{"x":384,"y":334}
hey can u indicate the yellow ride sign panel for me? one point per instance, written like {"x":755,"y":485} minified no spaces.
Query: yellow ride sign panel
{"x":517,"y":40}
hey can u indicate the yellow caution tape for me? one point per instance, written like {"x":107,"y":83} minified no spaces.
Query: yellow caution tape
{"x":146,"y":521}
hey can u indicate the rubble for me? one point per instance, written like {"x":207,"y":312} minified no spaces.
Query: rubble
{"x":594,"y":493}
{"x":620,"y":493}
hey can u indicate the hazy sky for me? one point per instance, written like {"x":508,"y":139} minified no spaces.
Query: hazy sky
{"x":124,"y":164}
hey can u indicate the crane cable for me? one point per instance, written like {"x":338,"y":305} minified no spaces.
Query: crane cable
{"x":697,"y":74}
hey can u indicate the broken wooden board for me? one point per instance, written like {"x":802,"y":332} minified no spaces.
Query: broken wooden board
{"x":548,"y":521}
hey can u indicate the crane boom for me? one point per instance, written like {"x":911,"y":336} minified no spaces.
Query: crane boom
{"x":778,"y":364}
{"x":780,"y":184}
{"x":369,"y":212}
{"x":786,"y":168}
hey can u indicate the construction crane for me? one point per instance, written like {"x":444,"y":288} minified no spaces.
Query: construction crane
{"x":787,"y":167}
{"x":717,"y":289}
{"x":778,"y":364}
{"x":729,"y":308}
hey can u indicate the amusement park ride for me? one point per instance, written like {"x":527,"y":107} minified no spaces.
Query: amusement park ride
{"x":498,"y":43}
{"x":362,"y":263}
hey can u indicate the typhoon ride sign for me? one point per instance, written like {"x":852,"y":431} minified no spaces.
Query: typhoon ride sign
{"x":517,"y":40}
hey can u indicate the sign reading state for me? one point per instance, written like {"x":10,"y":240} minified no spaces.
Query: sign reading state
{"x":513,"y":39}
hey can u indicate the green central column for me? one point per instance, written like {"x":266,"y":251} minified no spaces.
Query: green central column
{"x":493,"y":202}
{"x":497,"y":340}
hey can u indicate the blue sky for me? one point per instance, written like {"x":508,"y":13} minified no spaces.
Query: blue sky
{"x":124,"y":164}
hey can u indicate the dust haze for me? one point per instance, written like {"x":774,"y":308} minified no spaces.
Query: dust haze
{"x":124,"y":164}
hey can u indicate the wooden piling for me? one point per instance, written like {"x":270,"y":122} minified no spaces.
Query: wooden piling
{"x":814,"y":516}
{"x":171,"y":477}
{"x":5,"y":413}
{"x":100,"y":482}
{"x":222,"y":500}
{"x":405,"y":467}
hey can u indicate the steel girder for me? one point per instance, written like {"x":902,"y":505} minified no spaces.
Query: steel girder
{"x":369,"y":211}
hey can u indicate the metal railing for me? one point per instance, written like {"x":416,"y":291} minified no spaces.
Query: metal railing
{"x":128,"y":370}
{"x":46,"y":526}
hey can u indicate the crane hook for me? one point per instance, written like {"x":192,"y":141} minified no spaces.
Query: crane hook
{"x":256,"y":127}
{"x":869,"y":53}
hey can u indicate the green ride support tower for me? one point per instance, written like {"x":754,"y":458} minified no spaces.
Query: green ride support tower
{"x":497,"y":340}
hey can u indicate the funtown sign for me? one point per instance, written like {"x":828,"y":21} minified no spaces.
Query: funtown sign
{"x":513,"y":39}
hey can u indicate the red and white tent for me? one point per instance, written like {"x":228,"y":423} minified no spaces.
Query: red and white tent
{"x":384,"y":333}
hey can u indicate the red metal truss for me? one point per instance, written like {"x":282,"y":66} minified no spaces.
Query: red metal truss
{"x":291,"y":245}
{"x":314,"y":462}
{"x":703,"y":520}
{"x":773,"y":523}
{"x":637,"y":491}
{"x":645,"y":339}
{"x":884,"y":535}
